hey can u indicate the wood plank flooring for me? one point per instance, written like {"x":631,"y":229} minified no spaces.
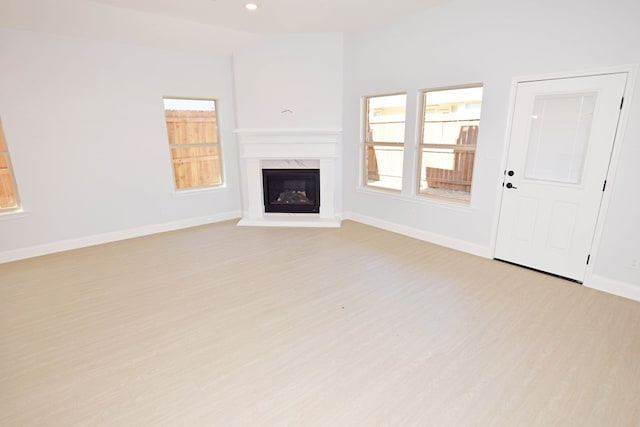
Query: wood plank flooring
{"x":236,"y":326}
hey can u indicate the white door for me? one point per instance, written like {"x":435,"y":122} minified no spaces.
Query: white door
{"x":559,"y":151}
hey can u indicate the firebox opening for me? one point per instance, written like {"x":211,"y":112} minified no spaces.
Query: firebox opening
{"x":291,"y":190}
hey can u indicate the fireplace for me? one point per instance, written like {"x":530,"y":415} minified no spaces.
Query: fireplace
{"x":291,"y":190}
{"x":299,"y":149}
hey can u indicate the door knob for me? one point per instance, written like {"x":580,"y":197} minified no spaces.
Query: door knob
{"x":510,"y":185}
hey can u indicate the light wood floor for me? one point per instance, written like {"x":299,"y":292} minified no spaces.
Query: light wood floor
{"x":233,"y":326}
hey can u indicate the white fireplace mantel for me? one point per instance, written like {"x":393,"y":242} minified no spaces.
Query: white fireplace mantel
{"x":289,"y":148}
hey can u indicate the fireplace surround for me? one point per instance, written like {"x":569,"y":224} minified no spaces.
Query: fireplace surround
{"x":288,"y":149}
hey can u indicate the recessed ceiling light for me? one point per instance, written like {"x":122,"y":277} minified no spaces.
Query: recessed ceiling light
{"x":250,"y":6}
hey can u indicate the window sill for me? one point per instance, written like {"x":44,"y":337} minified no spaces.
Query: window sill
{"x":196,"y":191}
{"x":17,"y":214}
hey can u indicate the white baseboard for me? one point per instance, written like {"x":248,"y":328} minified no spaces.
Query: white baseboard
{"x":612,"y":286}
{"x":98,"y":239}
{"x":438,"y":239}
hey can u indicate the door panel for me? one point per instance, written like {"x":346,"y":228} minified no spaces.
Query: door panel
{"x":561,"y":141}
{"x":525,"y":219}
{"x":561,"y":235}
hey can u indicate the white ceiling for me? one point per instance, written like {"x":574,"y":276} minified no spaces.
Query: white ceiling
{"x":282,"y":16}
{"x":213,"y":26}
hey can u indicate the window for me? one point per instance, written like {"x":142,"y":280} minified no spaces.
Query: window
{"x":192,"y":127}
{"x":384,"y":141}
{"x":8,"y":190}
{"x":451,"y":118}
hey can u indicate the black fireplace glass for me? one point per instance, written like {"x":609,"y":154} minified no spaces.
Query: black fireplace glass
{"x":291,"y":190}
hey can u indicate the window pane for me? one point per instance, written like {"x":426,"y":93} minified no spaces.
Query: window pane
{"x":451,"y":118}
{"x":192,"y":129}
{"x":191,"y":121}
{"x":189,"y":104}
{"x":8,"y":194}
{"x":196,"y":166}
{"x":560,"y":129}
{"x":446,"y":173}
{"x":386,"y":132}
{"x":385,"y":125}
{"x":453,"y":132}
{"x":387,"y":108}
{"x":384,"y":166}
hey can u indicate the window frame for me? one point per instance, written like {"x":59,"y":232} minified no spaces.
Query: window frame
{"x":12,"y":177}
{"x":420,"y":145}
{"x":218,"y":145}
{"x":365,"y":144}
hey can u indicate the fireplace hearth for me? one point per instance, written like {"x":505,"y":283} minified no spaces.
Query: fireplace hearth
{"x":291,"y":190}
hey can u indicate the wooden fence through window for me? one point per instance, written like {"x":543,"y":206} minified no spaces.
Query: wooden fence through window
{"x":8,"y":197}
{"x":460,"y":176}
{"x":195,"y":148}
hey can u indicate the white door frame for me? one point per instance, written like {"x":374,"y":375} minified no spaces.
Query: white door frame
{"x":615,"y":155}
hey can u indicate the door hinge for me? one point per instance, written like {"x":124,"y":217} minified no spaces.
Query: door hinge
{"x":621,"y":102}
{"x":588,"y":258}
{"x":605,"y":185}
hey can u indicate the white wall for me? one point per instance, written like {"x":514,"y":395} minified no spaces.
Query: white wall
{"x":300,"y":72}
{"x":291,"y":83}
{"x":491,"y":42}
{"x":84,"y":121}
